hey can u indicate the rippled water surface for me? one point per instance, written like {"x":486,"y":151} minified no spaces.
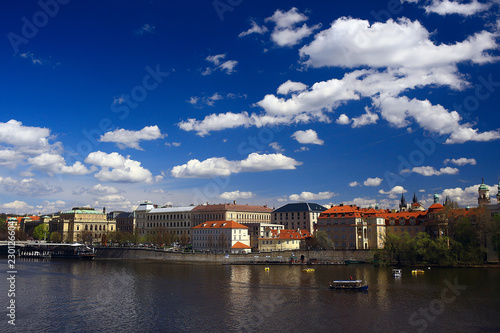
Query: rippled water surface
{"x":151,"y":296}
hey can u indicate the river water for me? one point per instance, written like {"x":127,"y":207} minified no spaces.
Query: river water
{"x":153,"y":296}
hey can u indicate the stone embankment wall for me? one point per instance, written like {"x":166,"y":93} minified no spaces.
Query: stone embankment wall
{"x":330,"y":256}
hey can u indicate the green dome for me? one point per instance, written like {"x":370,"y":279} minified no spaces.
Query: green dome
{"x":483,"y":187}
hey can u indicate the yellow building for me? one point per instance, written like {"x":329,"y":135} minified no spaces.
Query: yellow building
{"x":74,"y":224}
{"x":283,"y":240}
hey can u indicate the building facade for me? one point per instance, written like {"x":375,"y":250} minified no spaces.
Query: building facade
{"x":175,"y":221}
{"x":346,"y":226}
{"x":283,"y":240}
{"x":302,"y":215}
{"x":256,"y":218}
{"x":75,"y":224}
{"x":221,"y":236}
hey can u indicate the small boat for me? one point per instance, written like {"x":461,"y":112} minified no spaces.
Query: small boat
{"x":308,"y":270}
{"x":348,"y":285}
{"x":397,"y":272}
{"x":417,"y":271}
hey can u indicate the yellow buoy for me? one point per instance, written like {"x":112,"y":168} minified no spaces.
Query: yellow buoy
{"x":266,"y":269}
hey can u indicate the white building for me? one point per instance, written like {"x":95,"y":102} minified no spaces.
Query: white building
{"x":221,"y":236}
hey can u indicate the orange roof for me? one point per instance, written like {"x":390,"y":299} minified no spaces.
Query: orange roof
{"x":220,"y":225}
{"x":233,"y":207}
{"x":348,"y":210}
{"x":435,"y":206}
{"x":240,"y":245}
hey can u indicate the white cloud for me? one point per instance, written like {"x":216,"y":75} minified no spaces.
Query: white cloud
{"x":255,"y":29}
{"x":116,"y":168}
{"x":354,"y":42}
{"x":365,"y":119}
{"x":394,"y":192}
{"x":307,"y":137}
{"x":433,"y":118}
{"x":15,"y":133}
{"x":466,"y":196}
{"x":373,"y":181}
{"x":276,"y":147}
{"x":286,"y":33}
{"x":234,"y":195}
{"x":309,"y":196}
{"x":130,"y":139}
{"x":55,"y":164}
{"x":51,"y":206}
{"x":461,"y":161}
{"x":225,"y":66}
{"x":221,"y":167}
{"x":354,"y":184}
{"x":445,"y":7}
{"x":430,"y":171}
{"x":290,"y":86}
{"x":343,"y":119}
{"x":17,"y":207}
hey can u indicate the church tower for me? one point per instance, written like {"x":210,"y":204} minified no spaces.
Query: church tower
{"x":403,"y":206}
{"x":484,"y":194}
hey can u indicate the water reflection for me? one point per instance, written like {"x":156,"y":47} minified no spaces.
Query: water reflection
{"x":150,"y":296}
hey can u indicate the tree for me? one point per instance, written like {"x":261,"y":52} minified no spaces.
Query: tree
{"x":86,"y":237}
{"x":55,"y":237}
{"x":322,"y":241}
{"x":41,"y":231}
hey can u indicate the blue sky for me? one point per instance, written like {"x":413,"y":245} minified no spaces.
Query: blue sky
{"x":267,"y":102}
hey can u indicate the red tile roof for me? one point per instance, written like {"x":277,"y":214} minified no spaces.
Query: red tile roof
{"x":220,"y":225}
{"x":240,"y":245}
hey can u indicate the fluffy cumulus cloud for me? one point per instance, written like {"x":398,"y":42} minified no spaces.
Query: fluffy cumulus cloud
{"x":461,"y":161}
{"x":307,"y":137}
{"x":130,"y":139}
{"x":354,"y":184}
{"x":373,"y":181}
{"x":367,"y":118}
{"x":388,"y":59}
{"x":447,"y":7}
{"x":235,"y":195}
{"x":221,"y":167}
{"x":466,"y":196}
{"x":343,"y":119}
{"x":287,"y":31}
{"x":290,"y":86}
{"x":117,"y":168}
{"x":17,"y":207}
{"x":309,"y":196}
{"x":431,"y":171}
{"x":353,"y":42}
{"x":394,"y":192}
{"x":55,"y":164}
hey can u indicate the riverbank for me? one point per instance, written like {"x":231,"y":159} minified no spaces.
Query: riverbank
{"x":319,"y":257}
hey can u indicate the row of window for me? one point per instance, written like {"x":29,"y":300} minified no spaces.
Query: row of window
{"x":168,"y":224}
{"x":94,"y":227}
{"x":167,"y":217}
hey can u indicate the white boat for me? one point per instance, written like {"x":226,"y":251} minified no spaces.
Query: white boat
{"x":397,"y":272}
